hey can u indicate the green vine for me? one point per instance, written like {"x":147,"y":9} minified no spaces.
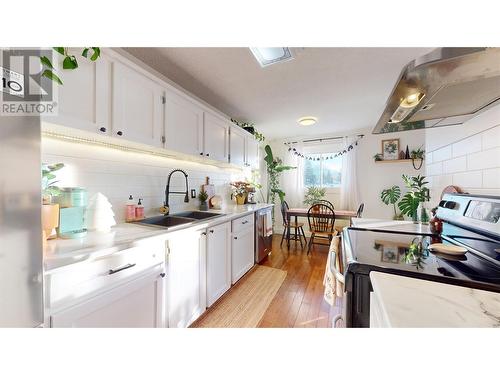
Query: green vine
{"x":250,"y":127}
{"x":69,"y":63}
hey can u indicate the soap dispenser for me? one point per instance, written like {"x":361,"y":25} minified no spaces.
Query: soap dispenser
{"x":139,"y":210}
{"x":130,"y":209}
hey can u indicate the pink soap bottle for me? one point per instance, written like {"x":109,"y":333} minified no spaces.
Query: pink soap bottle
{"x":139,"y":210}
{"x":130,"y":209}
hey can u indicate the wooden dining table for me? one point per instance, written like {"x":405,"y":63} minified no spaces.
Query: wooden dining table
{"x":302,"y":212}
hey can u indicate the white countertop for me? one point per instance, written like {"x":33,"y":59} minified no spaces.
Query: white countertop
{"x":391,"y":225}
{"x":62,"y":252}
{"x":409,"y":302}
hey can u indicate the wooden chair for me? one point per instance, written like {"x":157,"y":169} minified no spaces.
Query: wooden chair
{"x":298,"y":228}
{"x":321,"y":220}
{"x":360,"y":210}
{"x":327,"y":203}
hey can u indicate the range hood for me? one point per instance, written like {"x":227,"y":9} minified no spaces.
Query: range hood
{"x":448,"y":86}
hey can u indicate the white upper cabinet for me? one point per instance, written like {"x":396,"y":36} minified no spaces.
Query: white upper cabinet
{"x":137,"y":106}
{"x":83,"y":98}
{"x":237,"y":146}
{"x":252,"y":152}
{"x":216,"y":134}
{"x":183,"y":125}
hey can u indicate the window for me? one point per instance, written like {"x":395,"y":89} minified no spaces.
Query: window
{"x":324,"y":172}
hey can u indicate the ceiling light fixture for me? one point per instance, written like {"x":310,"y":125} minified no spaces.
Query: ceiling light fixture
{"x":271,"y":55}
{"x":307,"y":121}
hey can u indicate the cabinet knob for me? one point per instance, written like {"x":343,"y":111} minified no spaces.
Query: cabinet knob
{"x":211,"y":230}
{"x":162,"y":274}
{"x":103,"y":129}
{"x":119,"y":132}
{"x":207,"y":154}
{"x":204,"y":233}
{"x":235,"y":238}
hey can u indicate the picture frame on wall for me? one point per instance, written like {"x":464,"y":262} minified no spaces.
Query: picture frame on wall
{"x":390,"y":149}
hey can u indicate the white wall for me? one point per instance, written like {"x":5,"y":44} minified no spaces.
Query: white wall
{"x":117,"y":174}
{"x":467,"y":156}
{"x":375,"y":177}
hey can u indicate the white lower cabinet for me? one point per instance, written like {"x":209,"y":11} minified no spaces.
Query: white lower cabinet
{"x":186,"y":277}
{"x":218,"y":261}
{"x":135,"y":304}
{"x":242,"y":247}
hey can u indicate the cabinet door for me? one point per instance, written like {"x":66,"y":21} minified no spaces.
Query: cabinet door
{"x":136,"y":304}
{"x":186,"y":274}
{"x":242,"y":253}
{"x":218,"y":261}
{"x":216,"y":131}
{"x":83,"y":101}
{"x":237,"y":146}
{"x":183,"y":125}
{"x":137,"y":106}
{"x":252,"y":152}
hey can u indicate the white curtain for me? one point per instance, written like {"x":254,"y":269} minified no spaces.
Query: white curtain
{"x":293,"y":180}
{"x":349,"y":191}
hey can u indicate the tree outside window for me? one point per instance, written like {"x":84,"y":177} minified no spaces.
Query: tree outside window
{"x":325,"y":173}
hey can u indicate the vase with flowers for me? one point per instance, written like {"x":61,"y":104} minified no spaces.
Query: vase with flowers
{"x":240,"y":191}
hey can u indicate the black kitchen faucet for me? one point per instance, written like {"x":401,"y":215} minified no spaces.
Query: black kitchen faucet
{"x":168,"y":192}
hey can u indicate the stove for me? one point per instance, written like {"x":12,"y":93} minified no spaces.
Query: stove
{"x":468,"y":221}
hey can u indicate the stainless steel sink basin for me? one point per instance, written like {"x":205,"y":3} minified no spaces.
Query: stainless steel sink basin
{"x":166,"y":221}
{"x":197,"y":215}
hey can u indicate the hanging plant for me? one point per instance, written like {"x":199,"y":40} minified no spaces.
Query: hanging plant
{"x":69,"y":62}
{"x":417,"y":158}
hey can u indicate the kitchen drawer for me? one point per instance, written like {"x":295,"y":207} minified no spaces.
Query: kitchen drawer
{"x":243,"y":223}
{"x":66,"y":285}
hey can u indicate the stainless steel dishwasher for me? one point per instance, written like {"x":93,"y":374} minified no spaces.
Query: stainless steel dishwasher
{"x":263,"y":233}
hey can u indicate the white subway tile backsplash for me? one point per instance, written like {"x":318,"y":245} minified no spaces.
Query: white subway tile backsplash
{"x":455,"y":165}
{"x":118,"y":174}
{"x":468,"y":179}
{"x":491,"y":178}
{"x":441,"y":154}
{"x":434,"y":169}
{"x":491,"y":138}
{"x":467,"y":146}
{"x":484,"y":159}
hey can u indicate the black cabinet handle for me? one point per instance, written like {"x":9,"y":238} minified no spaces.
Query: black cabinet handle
{"x":119,"y":132}
{"x":211,"y":230}
{"x":204,"y":233}
{"x":122,"y":268}
{"x":201,"y":153}
{"x":103,"y":129}
{"x":208,"y":154}
{"x":162,"y":274}
{"x":235,"y":238}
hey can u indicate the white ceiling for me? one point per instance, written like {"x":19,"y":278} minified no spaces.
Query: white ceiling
{"x":345,"y":88}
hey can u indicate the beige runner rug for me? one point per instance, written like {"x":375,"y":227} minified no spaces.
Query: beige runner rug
{"x":245,"y":304}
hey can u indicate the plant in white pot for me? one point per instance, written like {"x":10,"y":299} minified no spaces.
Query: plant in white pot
{"x":203,"y":197}
{"x":50,"y":211}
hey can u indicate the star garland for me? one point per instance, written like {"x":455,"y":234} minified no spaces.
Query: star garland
{"x":293,"y":150}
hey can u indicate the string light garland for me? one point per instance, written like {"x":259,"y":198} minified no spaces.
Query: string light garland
{"x":293,"y":150}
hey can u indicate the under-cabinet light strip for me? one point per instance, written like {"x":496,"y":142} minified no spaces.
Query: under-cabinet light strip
{"x":94,"y":142}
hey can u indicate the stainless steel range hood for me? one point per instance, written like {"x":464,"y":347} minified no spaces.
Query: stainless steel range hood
{"x":448,"y":86}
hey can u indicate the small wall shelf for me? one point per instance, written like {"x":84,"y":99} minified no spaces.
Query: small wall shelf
{"x":394,"y":161}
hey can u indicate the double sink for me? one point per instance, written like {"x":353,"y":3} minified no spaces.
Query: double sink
{"x":180,"y":218}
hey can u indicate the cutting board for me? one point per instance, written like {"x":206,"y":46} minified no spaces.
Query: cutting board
{"x":209,"y":189}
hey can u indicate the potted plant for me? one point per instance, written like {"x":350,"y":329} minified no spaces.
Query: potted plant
{"x":417,"y":156}
{"x":415,"y":198}
{"x":314,"y":194}
{"x":239,"y":191}
{"x":249,"y":127}
{"x":391,"y":196}
{"x":50,"y":211}
{"x":203,"y":198}
{"x":377,"y":157}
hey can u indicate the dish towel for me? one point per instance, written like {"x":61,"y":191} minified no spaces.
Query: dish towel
{"x":333,"y":280}
{"x":269,"y":224}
